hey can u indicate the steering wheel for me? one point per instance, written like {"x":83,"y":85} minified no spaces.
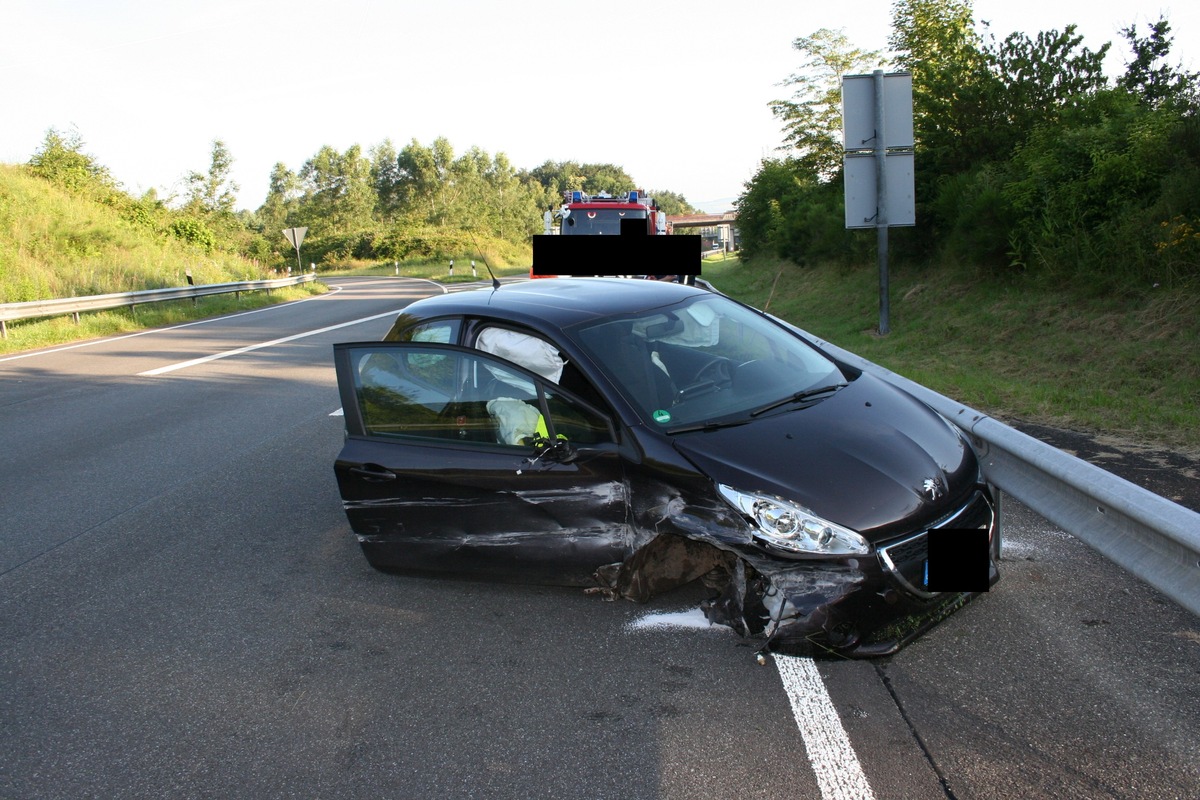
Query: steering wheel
{"x":717,"y":374}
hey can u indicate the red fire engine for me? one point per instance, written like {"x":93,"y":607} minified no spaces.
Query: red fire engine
{"x":603,"y":214}
{"x":630,"y":214}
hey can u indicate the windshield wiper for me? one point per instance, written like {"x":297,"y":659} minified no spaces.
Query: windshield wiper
{"x":708,"y":426}
{"x":797,"y":398}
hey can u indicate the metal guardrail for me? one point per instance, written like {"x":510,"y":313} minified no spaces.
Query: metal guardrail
{"x":74,"y":305}
{"x":1153,"y":538}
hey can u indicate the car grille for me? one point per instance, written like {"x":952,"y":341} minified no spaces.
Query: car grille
{"x":905,"y":558}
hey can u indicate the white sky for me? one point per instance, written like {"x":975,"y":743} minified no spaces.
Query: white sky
{"x":674,"y":92}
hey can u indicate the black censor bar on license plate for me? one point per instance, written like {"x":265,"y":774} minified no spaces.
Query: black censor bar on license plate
{"x":583,"y":256}
{"x":958,"y":560}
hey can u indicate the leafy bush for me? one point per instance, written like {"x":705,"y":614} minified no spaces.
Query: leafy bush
{"x":195,"y":232}
{"x":1088,"y":195}
{"x":61,"y":161}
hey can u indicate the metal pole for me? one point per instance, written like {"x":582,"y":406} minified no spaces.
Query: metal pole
{"x":881,"y":221}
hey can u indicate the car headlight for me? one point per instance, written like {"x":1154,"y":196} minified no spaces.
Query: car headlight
{"x":793,"y":527}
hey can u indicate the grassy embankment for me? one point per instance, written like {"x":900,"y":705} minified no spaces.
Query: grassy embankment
{"x":1125,"y":366}
{"x":54,"y":245}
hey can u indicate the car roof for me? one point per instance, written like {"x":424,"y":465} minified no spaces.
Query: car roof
{"x":559,"y":301}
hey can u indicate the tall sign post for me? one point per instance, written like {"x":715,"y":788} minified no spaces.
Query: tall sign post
{"x":296,"y":236}
{"x":877,"y":134}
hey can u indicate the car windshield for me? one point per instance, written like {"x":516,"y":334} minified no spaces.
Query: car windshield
{"x":591,"y":221}
{"x":706,"y":361}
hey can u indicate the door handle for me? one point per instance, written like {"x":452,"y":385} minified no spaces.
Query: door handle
{"x":373,"y":473}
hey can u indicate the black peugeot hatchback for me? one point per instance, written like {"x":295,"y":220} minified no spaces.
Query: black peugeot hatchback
{"x":633,"y":436}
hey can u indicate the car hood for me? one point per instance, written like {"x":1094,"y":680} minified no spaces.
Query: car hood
{"x":863,"y":458}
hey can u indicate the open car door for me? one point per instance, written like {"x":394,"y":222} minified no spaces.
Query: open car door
{"x":459,"y":461}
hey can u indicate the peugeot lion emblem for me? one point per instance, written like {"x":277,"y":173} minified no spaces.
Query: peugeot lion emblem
{"x":932,"y":489}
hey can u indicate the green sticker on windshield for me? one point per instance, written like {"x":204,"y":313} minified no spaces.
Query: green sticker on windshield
{"x":662,"y":417}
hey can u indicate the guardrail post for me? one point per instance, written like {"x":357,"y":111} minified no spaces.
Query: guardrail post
{"x":998,"y":500}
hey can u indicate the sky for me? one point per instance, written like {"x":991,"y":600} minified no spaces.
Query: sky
{"x":677,"y":93}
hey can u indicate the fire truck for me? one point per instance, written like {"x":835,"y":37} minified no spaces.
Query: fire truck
{"x":629,"y":227}
{"x":604,"y":214}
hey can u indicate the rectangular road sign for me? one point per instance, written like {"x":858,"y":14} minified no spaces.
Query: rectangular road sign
{"x":858,"y":111}
{"x":861,"y":200}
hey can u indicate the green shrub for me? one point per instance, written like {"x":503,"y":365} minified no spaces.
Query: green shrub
{"x":195,"y":232}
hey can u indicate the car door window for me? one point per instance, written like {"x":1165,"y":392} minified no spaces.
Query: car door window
{"x":438,"y":331}
{"x":536,"y":354}
{"x":448,"y":393}
{"x":575,"y":421}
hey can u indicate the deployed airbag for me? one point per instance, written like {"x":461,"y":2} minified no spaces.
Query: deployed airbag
{"x":516,"y":419}
{"x":534,"y":354}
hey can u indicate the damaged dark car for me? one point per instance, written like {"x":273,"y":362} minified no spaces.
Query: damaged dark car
{"x":635,"y":436}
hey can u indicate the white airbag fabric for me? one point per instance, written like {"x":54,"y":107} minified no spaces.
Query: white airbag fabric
{"x":515,"y":418}
{"x":534,"y":354}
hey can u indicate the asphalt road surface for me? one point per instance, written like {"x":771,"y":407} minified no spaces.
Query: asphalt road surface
{"x":184,"y":614}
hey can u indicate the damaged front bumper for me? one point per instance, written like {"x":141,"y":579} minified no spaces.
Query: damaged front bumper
{"x":856,"y":607}
{"x":845,"y":612}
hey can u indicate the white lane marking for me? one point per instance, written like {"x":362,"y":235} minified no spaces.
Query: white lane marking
{"x":839,"y":774}
{"x":259,"y":346}
{"x":338,"y":413}
{"x":93,"y":342}
{"x":833,"y":759}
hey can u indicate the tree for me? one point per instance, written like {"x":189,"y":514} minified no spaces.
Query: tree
{"x":936,"y":41}
{"x":1156,"y":83}
{"x":606,"y":178}
{"x":282,"y":193}
{"x":338,"y":197}
{"x":61,"y":161}
{"x":1038,"y":78}
{"x":517,"y":202}
{"x":214,"y":192}
{"x":557,"y":177}
{"x":385,"y":177}
{"x":812,"y":119}
{"x":422,"y":171}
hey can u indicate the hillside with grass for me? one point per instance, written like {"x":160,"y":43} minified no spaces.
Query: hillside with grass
{"x":77,"y":235}
{"x":57,"y":243}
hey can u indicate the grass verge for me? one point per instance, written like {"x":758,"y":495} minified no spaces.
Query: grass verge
{"x":1127,"y":366}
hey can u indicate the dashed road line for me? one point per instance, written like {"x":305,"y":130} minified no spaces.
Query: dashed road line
{"x":259,"y":346}
{"x":149,"y":331}
{"x":839,"y":773}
